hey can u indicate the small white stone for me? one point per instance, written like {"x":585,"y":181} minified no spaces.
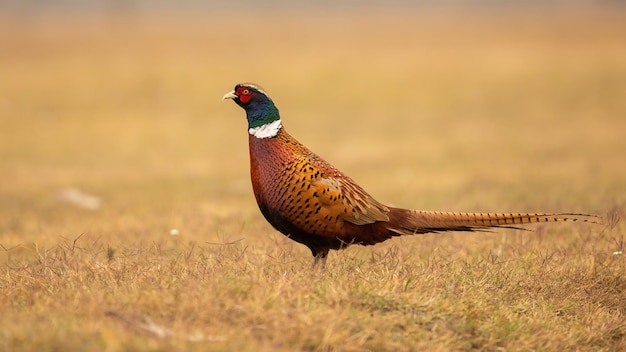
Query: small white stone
{"x":79,"y":198}
{"x":174,"y":232}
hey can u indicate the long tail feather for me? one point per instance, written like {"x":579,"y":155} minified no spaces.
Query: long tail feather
{"x":407,"y":222}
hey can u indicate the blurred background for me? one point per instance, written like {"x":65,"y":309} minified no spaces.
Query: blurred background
{"x":111,"y":119}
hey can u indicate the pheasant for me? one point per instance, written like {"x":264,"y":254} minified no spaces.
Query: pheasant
{"x":313,"y":203}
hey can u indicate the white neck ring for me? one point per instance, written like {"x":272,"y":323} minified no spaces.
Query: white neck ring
{"x":266,"y":131}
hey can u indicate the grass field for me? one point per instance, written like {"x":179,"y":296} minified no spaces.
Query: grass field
{"x":502,"y":112}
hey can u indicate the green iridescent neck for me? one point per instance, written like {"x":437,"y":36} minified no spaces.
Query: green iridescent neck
{"x":262,"y":114}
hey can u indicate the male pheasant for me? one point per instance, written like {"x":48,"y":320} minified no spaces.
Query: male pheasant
{"x":313,"y":203}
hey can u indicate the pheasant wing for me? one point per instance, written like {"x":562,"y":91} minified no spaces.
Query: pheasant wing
{"x":318,"y":199}
{"x":349,"y":201}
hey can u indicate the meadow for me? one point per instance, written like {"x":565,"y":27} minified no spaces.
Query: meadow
{"x":514,"y":112}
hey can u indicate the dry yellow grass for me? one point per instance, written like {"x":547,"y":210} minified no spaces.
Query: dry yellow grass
{"x":504,"y":112}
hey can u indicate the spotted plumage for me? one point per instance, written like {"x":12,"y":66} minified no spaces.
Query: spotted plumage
{"x":313,"y":203}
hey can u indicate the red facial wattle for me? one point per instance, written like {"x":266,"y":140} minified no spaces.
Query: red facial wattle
{"x":244,"y":94}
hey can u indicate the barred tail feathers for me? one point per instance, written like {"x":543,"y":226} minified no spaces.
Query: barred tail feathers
{"x":409,"y":222}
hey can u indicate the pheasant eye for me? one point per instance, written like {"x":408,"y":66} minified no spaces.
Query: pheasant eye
{"x":244,"y":94}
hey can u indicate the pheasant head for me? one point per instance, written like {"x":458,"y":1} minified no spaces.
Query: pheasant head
{"x":263,"y":117}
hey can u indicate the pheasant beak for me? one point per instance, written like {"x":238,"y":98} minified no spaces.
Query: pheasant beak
{"x":229,"y":95}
